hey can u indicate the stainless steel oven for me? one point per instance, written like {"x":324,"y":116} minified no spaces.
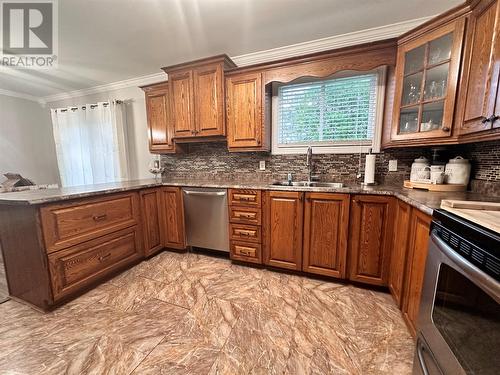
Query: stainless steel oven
{"x":459,"y":316}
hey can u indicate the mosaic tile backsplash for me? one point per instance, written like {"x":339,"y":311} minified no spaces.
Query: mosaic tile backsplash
{"x":213,"y":161}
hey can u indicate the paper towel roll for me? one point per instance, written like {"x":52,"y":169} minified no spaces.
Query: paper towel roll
{"x":370,"y":169}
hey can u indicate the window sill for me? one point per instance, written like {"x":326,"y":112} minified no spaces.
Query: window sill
{"x":340,"y":149}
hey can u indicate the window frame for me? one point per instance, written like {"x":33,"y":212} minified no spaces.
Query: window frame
{"x":344,"y":147}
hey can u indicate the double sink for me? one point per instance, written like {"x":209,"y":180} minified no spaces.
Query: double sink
{"x":309,"y":184}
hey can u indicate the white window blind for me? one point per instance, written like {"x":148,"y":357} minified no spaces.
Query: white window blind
{"x":328,"y":112}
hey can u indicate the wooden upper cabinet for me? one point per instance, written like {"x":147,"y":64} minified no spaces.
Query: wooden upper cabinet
{"x":209,"y":100}
{"x":282,"y":231}
{"x":196,"y":92}
{"x":182,"y":103}
{"x":326,"y":224}
{"x":172,"y":213}
{"x":399,"y":250}
{"x":371,"y":228}
{"x":244,"y":108}
{"x":427,"y":72}
{"x":415,"y":266}
{"x":479,"y":95}
{"x":160,"y":127}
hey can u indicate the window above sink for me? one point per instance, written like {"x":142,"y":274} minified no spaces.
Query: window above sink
{"x":339,"y":114}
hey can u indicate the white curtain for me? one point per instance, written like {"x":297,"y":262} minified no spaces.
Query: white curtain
{"x":90,"y":143}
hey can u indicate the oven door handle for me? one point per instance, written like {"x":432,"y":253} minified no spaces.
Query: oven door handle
{"x":486,"y":282}
{"x":421,"y":360}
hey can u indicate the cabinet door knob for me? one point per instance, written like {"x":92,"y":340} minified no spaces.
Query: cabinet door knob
{"x":446,"y":129}
{"x":490,"y":119}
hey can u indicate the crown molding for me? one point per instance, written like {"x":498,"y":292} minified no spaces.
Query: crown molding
{"x":328,"y":43}
{"x":21,"y":95}
{"x":132,"y":82}
{"x":293,"y":50}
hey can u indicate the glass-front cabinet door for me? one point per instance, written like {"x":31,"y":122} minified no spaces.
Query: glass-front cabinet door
{"x":426,"y":83}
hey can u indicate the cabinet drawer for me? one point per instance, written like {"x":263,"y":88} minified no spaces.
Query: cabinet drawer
{"x":78,"y":266}
{"x":245,"y":215}
{"x":245,"y":232}
{"x":244,"y":197}
{"x":246,"y":251}
{"x":71,"y":223}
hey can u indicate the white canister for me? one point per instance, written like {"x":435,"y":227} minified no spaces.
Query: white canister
{"x":418,"y":169}
{"x":437,"y":174}
{"x":457,"y":171}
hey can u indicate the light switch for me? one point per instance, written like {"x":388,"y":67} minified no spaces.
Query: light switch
{"x":393,"y":165}
{"x":262,"y":165}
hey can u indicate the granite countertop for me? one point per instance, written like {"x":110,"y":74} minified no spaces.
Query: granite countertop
{"x":423,"y":200}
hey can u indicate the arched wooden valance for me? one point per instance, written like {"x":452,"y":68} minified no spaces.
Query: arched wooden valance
{"x":359,"y":58}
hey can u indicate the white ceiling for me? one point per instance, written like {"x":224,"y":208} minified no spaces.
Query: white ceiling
{"x":104,"y":41}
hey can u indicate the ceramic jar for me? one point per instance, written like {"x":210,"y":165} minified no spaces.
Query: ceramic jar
{"x":420,"y":170}
{"x":457,"y":171}
{"x":437,"y":174}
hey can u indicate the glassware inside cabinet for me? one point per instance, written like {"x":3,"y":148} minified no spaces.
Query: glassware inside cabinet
{"x":414,"y":60}
{"x":440,"y":49}
{"x":408,"y":120}
{"x":432,"y":116}
{"x":436,"y":82}
{"x":412,"y":86}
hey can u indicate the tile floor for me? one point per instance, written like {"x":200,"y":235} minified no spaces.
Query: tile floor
{"x":196,"y":314}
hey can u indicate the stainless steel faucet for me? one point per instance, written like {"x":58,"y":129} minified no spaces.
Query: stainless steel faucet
{"x":310,"y":165}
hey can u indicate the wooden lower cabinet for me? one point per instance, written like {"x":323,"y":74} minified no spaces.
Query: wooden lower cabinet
{"x":152,"y":221}
{"x":399,"y":251}
{"x":415,"y":266}
{"x":172,"y":207}
{"x":70,"y":223}
{"x":326,"y":225}
{"x":371,"y":226}
{"x":76,"y":267}
{"x":246,"y":251}
{"x":282,"y":232}
{"x":245,"y":228}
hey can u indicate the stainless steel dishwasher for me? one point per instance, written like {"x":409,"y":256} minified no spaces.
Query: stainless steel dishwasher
{"x":207,"y":219}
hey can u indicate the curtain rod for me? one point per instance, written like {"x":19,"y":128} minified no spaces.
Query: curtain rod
{"x":92,"y":106}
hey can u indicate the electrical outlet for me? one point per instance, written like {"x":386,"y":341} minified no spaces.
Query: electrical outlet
{"x":262,"y":165}
{"x":393,"y":165}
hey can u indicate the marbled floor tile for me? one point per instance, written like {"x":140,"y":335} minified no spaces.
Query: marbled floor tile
{"x":182,"y":292}
{"x":101,"y":355}
{"x":281,"y":285}
{"x":136,"y":290}
{"x":140,"y":333}
{"x":194,"y":314}
{"x":192,"y":346}
{"x":164,"y":267}
{"x":373,"y":326}
{"x":28,"y":360}
{"x":317,"y":346}
{"x":260,"y":340}
{"x":236,"y":286}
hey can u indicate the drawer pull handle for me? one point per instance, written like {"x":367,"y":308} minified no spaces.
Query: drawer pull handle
{"x":246,"y":233}
{"x":104,"y":257}
{"x":100,"y":217}
{"x":244,"y":197}
{"x":244,"y":214}
{"x":248,"y":251}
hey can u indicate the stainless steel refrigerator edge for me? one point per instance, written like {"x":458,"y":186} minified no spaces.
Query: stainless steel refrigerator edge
{"x":207,"y":218}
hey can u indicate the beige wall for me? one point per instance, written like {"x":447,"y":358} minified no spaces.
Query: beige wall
{"x":26,"y":141}
{"x":138,"y":149}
